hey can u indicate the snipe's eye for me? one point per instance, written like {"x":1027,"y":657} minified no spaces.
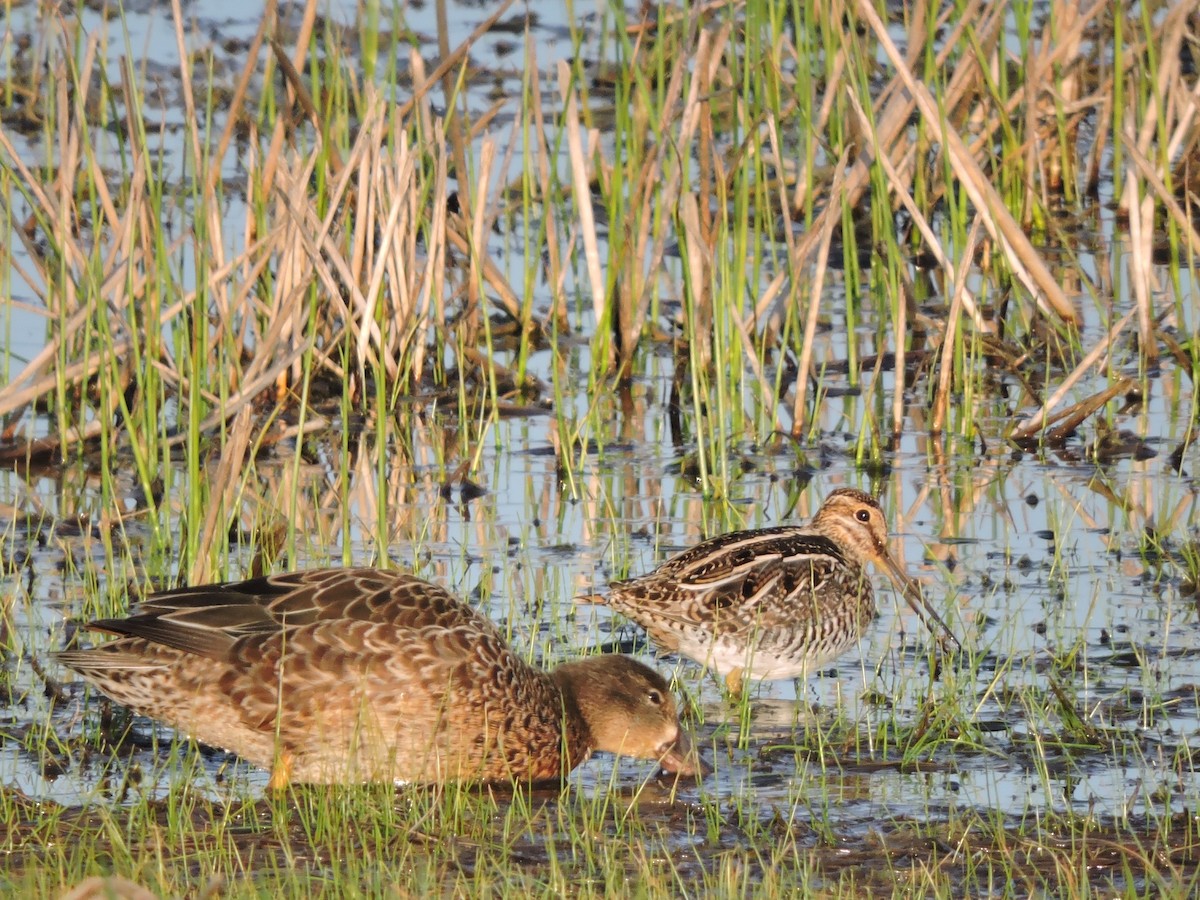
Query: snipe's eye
{"x":863,"y":515}
{"x":654,"y":697}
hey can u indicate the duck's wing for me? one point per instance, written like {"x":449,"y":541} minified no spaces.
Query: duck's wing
{"x":302,"y":661}
{"x":209,"y":620}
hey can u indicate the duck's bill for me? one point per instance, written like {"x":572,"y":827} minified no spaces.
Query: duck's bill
{"x":681,"y":758}
{"x":916,"y":600}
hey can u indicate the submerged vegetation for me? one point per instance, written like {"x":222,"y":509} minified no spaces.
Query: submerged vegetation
{"x":317,"y":292}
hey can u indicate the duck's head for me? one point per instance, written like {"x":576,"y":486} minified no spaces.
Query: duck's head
{"x":629,"y":710}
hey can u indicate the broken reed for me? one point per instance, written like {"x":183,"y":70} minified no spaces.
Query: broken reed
{"x":790,"y":200}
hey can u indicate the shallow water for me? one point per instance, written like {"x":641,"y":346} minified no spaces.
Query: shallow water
{"x":1038,"y":559}
{"x":1027,"y":581}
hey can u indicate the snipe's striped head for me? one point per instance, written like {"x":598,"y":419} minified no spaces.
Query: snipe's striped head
{"x":855,"y":522}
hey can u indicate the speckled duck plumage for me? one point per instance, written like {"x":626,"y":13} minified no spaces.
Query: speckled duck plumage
{"x":342,"y":675}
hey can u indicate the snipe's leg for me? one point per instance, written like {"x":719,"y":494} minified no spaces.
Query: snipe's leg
{"x":734,"y":682}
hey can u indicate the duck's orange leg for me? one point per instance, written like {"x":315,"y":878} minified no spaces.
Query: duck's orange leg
{"x":281,"y":774}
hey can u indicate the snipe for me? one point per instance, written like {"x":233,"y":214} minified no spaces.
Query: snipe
{"x":364,"y":675}
{"x":771,"y":602}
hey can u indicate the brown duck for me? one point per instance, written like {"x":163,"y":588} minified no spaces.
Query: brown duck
{"x":344,"y":675}
{"x":771,"y":602}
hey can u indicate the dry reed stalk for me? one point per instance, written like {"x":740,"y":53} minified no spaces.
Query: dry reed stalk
{"x":293,"y":271}
{"x":429,"y":311}
{"x":901,"y":192}
{"x":479,"y":219}
{"x":257,"y":254}
{"x":226,"y":482}
{"x":1068,"y":420}
{"x":453,"y":123}
{"x":63,"y":214}
{"x":1102,"y":128}
{"x":696,"y":231}
{"x":251,"y":269}
{"x":404,"y":273}
{"x":492,"y":275}
{"x":483,"y":122}
{"x":900,"y":369}
{"x":40,"y":448}
{"x":304,"y":34}
{"x":191,"y":119}
{"x":657,"y":183}
{"x":1169,"y":38}
{"x":814,"y":300}
{"x":581,"y":190}
{"x":251,"y":389}
{"x":1141,"y":266}
{"x":421,"y":108}
{"x":456,"y":56}
{"x":1061,"y":41}
{"x":271,"y":161}
{"x":767,"y":306}
{"x":299,"y":91}
{"x":317,"y":254}
{"x":699,"y":280}
{"x":1034,"y":423}
{"x":434,"y":294}
{"x":1154,"y":181}
{"x":705,"y":154}
{"x":1139,"y":205}
{"x":236,"y":101}
{"x":1024,"y":260}
{"x":706,"y":72}
{"x":122,"y":267}
{"x":213,"y":255}
{"x":941,"y":400}
{"x":395,"y":169}
{"x":361,"y":211}
{"x":553,"y":253}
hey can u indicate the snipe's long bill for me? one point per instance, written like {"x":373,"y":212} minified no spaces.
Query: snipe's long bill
{"x":772,"y":602}
{"x":342,"y":675}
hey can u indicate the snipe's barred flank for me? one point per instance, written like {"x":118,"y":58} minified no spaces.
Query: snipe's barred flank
{"x":772,"y":602}
{"x":345,"y":675}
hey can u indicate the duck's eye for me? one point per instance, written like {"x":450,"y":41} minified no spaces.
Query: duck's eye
{"x":654,"y":697}
{"x":863,"y":515}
